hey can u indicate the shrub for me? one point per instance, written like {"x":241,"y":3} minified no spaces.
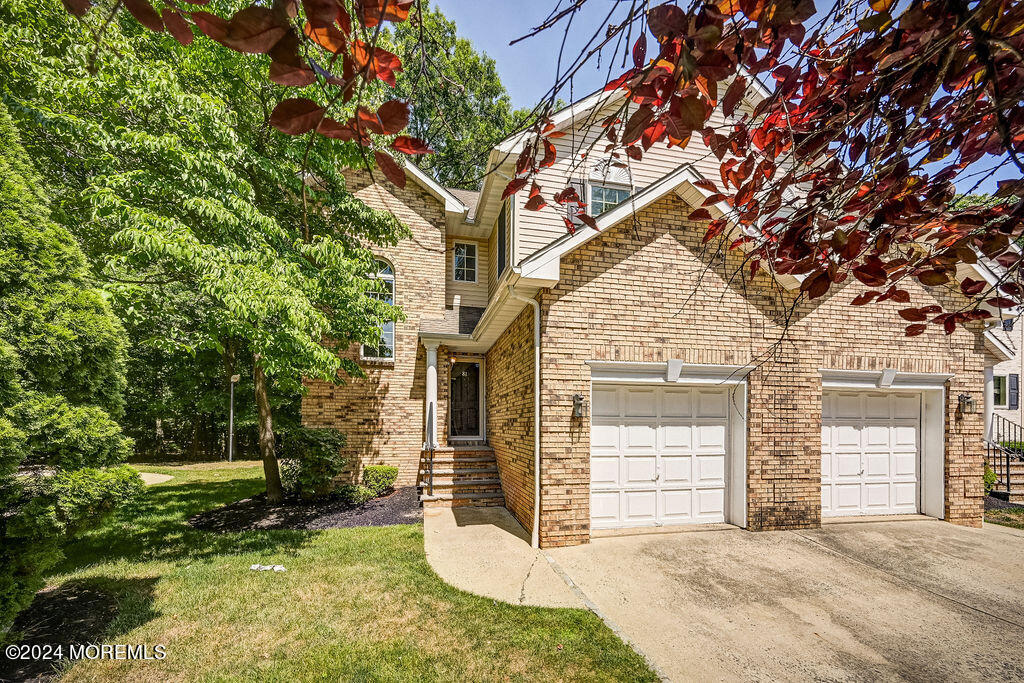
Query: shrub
{"x":380,"y":478}
{"x":355,"y":494}
{"x":990,"y":479}
{"x":312,"y":459}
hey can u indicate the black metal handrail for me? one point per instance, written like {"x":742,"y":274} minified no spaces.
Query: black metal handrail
{"x":1003,"y":448}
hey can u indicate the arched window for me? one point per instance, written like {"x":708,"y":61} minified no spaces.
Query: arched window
{"x":385,"y":349}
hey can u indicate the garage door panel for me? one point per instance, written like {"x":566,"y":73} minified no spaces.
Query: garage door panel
{"x":676,"y":403}
{"x":640,"y":470}
{"x":640,"y":506}
{"x":870,"y":453}
{"x":710,"y":505}
{"x":641,"y":403}
{"x":677,"y":506}
{"x":712,"y":404}
{"x":710,"y":438}
{"x":604,"y":508}
{"x":676,"y":469}
{"x":604,"y":438}
{"x":677,"y":437}
{"x":658,"y":455}
{"x":605,"y":402}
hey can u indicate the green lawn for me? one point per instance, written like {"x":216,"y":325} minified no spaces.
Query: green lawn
{"x":355,"y":604}
{"x":1006,"y":516}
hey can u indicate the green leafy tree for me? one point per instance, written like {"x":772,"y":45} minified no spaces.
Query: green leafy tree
{"x":165,"y":165}
{"x":459,"y":106}
{"x":61,"y":387}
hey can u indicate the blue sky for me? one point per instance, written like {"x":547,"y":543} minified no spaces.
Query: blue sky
{"x":527,"y":69}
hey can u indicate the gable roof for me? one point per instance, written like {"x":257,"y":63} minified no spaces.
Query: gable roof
{"x":442,"y":194}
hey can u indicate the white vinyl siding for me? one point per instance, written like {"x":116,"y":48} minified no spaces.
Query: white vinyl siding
{"x":469,"y":293}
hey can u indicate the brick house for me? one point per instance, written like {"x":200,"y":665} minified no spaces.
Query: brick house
{"x":669,"y":389}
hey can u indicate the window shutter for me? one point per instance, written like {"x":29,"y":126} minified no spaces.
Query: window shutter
{"x":570,"y":209}
{"x":502,"y":237}
{"x":1013,"y":399}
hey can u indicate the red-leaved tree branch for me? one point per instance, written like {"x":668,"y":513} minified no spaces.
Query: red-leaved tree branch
{"x":329,"y":43}
{"x":863,"y":120}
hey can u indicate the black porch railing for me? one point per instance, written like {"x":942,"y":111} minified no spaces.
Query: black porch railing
{"x":1004,"y":453}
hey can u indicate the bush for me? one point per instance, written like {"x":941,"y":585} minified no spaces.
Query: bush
{"x":354,"y":494}
{"x":990,"y":479}
{"x":380,"y":478}
{"x":312,"y":460}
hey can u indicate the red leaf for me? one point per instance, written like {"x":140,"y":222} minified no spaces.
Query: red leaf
{"x":715,"y":228}
{"x":640,"y":51}
{"x":588,"y":220}
{"x":287,"y":74}
{"x":408,"y":145}
{"x":700,"y":215}
{"x":816,"y":286}
{"x":636,"y":124}
{"x":513,"y":186}
{"x":146,"y":15}
{"x":375,"y":11}
{"x":379,"y":62}
{"x":394,"y":116}
{"x":706,"y":184}
{"x":212,"y":26}
{"x":914,"y":315}
{"x":633,"y":152}
{"x":915,"y":330}
{"x":666,"y":19}
{"x":178,"y":27}
{"x":255,"y":30}
{"x":933,"y":278}
{"x":536,"y":203}
{"x":328,"y":37}
{"x":320,"y":12}
{"x":949,"y":324}
{"x":77,"y":7}
{"x":863,"y":299}
{"x":733,"y":95}
{"x":392,"y":171}
{"x":1001,"y":302}
{"x":550,"y":154}
{"x":971,"y":287}
{"x":296,"y":115}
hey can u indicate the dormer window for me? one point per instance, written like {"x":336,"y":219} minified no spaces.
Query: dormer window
{"x":605,"y":197}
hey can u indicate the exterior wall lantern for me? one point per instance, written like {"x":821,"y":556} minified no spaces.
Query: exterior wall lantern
{"x":577,"y":405}
{"x":966,"y":405}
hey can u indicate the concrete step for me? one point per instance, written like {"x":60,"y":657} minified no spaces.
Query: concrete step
{"x":461,"y":472}
{"x":453,"y":463}
{"x":464,"y":486}
{"x":463,"y":500}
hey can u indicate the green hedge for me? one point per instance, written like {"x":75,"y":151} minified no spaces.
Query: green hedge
{"x":380,"y":478}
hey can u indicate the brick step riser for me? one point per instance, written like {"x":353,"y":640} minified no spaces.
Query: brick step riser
{"x":461,"y":488}
{"x":459,"y":465}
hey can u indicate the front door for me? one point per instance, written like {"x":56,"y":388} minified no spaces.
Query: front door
{"x":465,"y":400}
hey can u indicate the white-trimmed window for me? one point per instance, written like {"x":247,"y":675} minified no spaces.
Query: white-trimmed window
{"x":385,"y":349}
{"x":999,"y":386}
{"x":464,"y":262}
{"x":606,"y":197}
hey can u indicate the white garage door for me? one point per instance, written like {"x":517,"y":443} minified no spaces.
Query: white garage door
{"x":870,"y":445}
{"x":657,"y":455}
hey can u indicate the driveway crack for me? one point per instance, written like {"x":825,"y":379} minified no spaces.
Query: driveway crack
{"x":522,"y":590}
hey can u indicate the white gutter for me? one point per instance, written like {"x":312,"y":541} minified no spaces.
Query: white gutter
{"x":535,"y":535}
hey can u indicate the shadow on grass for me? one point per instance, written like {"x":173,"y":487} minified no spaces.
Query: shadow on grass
{"x":155,"y":527}
{"x":79,"y":612}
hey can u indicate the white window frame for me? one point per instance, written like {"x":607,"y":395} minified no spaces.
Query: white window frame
{"x":476,"y":262}
{"x":1005,"y":405}
{"x":605,"y":186}
{"x":384,"y":265}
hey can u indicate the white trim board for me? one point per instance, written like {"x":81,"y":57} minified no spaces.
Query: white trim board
{"x":876,"y":379}
{"x":670,"y":372}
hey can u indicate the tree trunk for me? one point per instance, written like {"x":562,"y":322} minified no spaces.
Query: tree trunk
{"x":275,"y":493}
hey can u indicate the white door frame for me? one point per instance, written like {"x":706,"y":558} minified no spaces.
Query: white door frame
{"x":932,"y":450}
{"x":675,"y":372}
{"x":481,"y":396}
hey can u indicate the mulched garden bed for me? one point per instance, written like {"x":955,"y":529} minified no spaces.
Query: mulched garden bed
{"x":71,"y":613}
{"x":993,"y":503}
{"x":399,"y":507}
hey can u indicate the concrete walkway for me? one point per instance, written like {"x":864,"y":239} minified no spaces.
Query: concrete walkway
{"x":486,"y":551}
{"x":917,"y":600}
{"x":150,"y":478}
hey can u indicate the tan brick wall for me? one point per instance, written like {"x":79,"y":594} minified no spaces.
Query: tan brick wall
{"x":510,"y":414}
{"x":383,"y":414}
{"x":649,"y":292}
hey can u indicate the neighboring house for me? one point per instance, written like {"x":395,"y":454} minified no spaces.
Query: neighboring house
{"x":1003,"y":377}
{"x":663,"y":392}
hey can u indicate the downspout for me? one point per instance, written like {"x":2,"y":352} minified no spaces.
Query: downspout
{"x":535,"y":535}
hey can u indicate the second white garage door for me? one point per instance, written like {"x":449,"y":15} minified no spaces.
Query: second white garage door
{"x":870,"y":445}
{"x":658,"y":455}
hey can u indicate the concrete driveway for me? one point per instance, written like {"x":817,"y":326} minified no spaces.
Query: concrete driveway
{"x":919,"y":600}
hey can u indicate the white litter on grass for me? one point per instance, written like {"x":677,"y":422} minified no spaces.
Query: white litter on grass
{"x":268,"y":567}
